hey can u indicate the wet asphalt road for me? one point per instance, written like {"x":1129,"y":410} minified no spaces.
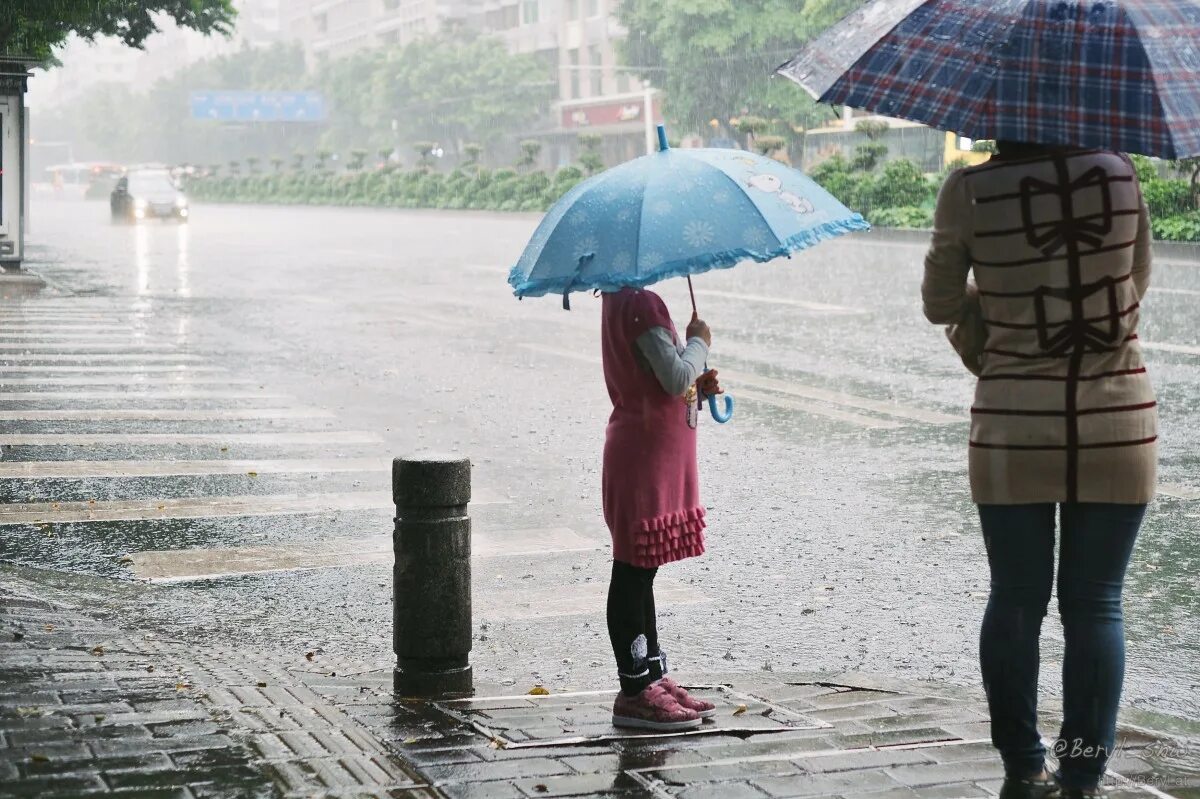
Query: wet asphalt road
{"x":842,"y":534}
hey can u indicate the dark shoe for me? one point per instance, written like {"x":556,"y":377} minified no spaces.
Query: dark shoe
{"x":1038,"y":787}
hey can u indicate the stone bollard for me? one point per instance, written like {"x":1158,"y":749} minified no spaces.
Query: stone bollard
{"x":432,"y":576}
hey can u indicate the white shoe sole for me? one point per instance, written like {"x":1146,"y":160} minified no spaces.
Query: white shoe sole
{"x":658,"y":726}
{"x":707,"y":714}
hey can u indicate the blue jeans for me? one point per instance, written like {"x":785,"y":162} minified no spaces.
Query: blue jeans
{"x":1097,"y":541}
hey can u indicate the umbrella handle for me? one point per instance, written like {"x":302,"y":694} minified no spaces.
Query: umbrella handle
{"x":721,"y":417}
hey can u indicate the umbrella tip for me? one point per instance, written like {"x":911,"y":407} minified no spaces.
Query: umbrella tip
{"x":662,"y":139}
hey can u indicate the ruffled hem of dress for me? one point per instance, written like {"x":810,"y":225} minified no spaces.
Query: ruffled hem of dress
{"x":668,"y":538}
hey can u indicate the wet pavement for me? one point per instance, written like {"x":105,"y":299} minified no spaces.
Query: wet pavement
{"x":322,"y":342}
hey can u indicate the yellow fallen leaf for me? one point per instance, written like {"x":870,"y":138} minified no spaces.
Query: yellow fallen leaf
{"x":262,"y":684}
{"x":182,"y":686}
{"x":309,"y":655}
{"x":91,"y":502}
{"x":409,"y":741}
{"x":27,"y":712}
{"x":126,"y":559}
{"x":497,"y":743}
{"x":97,"y":651}
{"x":49,"y":628}
{"x":99,"y":717}
{"x":252,"y":474}
{"x":538,"y":690}
{"x":162,"y":507}
{"x":740,"y":710}
{"x":224,"y":449}
{"x":36,"y":758}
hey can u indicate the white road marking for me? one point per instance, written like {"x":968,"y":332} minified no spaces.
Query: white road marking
{"x":805,"y":304}
{"x":157,"y":380}
{"x":127,"y":368}
{"x":162,"y":414}
{"x":39,"y":329}
{"x":1183,"y":349}
{"x":185,"y":392}
{"x":137,"y":359}
{"x":160,"y":439}
{"x":1188,"y":292}
{"x":838,"y":398}
{"x":189,"y":565}
{"x":819,"y":410}
{"x":164,"y":468}
{"x":740,"y":379}
{"x":1178,"y":491}
{"x":36,"y":345}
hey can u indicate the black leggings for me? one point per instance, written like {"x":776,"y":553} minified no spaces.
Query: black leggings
{"x":633,"y":628}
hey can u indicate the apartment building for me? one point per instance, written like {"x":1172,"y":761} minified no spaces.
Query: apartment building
{"x":337,"y":28}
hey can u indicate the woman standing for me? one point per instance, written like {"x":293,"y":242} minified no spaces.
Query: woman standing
{"x":1064,"y":418}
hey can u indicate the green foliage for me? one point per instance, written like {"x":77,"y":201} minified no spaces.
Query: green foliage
{"x":33,"y":28}
{"x":1167,"y":197}
{"x":765,"y":145}
{"x":907,"y":216}
{"x":710,"y":56}
{"x":868,"y":156}
{"x":1181,"y":227}
{"x":984,"y":146}
{"x":873,"y":129}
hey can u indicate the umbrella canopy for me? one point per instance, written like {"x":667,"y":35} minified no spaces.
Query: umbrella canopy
{"x":676,"y":213}
{"x":1092,"y":73}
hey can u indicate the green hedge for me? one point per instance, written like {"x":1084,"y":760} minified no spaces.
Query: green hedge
{"x":894,"y":195}
{"x":501,"y":190}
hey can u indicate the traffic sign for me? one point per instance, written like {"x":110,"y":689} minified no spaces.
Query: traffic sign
{"x":244,"y":106}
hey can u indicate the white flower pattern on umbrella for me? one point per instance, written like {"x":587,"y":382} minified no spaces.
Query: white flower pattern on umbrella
{"x":662,"y":207}
{"x":585,"y":245}
{"x":698,"y":233}
{"x":756,"y":236}
{"x":622,"y":261}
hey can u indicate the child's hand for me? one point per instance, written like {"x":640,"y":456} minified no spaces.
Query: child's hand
{"x":708,"y":385}
{"x":698,"y":328}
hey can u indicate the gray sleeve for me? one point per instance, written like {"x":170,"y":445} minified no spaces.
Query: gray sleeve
{"x":675,"y":370}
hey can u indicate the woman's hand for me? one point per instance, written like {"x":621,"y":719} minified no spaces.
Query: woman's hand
{"x":698,"y":328}
{"x":708,"y":385}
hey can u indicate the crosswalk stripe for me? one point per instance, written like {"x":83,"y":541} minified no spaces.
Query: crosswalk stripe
{"x":157,"y":380}
{"x":187,"y":565}
{"x":247,"y":439}
{"x":173,"y":468}
{"x":195,"y":507}
{"x":138,"y":358}
{"x":127,"y":368}
{"x":65,"y":347}
{"x":162,"y":414}
{"x":185,"y":392}
{"x":39,"y":329}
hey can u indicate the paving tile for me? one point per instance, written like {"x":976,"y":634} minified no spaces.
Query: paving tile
{"x":825,"y":784}
{"x":942,"y":773}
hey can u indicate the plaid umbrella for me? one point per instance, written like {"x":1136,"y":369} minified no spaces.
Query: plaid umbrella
{"x":1093,"y":73}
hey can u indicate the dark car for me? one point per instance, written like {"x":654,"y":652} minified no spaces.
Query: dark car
{"x":148,"y":195}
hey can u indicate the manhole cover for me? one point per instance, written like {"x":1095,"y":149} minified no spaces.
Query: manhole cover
{"x":518,"y":722}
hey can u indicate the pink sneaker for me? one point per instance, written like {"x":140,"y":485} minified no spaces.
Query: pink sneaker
{"x":702,"y":707}
{"x":653,"y":709}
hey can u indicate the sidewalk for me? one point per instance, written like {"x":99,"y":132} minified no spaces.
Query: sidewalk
{"x":88,"y":708}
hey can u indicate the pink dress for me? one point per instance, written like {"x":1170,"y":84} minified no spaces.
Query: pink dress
{"x":651,"y":484}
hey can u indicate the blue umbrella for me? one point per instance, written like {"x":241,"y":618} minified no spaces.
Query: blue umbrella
{"x":1092,"y":73}
{"x":676,"y":213}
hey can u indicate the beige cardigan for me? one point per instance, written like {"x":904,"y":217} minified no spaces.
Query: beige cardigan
{"x":1060,"y":250}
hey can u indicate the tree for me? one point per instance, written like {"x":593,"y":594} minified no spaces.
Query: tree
{"x":451,"y":89}
{"x":589,"y":156}
{"x":713,"y":58}
{"x":33,"y":28}
{"x":530,"y":150}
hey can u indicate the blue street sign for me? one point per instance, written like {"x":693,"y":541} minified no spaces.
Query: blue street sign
{"x":240,"y":106}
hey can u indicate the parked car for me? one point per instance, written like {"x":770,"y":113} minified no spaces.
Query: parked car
{"x":148,"y":194}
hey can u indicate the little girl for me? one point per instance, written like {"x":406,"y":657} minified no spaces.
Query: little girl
{"x":651,"y":492}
